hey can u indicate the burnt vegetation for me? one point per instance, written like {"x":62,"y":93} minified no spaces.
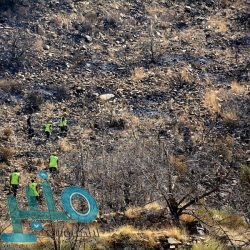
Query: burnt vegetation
{"x":157,"y":99}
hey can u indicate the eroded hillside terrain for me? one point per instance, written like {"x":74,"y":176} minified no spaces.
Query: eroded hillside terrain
{"x":157,"y":100}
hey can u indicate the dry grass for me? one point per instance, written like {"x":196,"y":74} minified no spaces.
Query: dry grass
{"x":39,"y":44}
{"x":128,"y":230}
{"x":219,"y":101}
{"x":209,"y":244}
{"x":179,"y":163}
{"x":186,"y":75}
{"x":245,"y":174}
{"x":176,"y":233}
{"x":237,"y":88}
{"x":65,"y":145}
{"x":225,"y":147}
{"x":48,"y":111}
{"x":211,"y":100}
{"x":138,"y":74}
{"x":65,"y":21}
{"x":218,"y":23}
{"x":7,"y":132}
{"x":229,"y":115}
{"x":153,"y":206}
{"x":7,"y":83}
{"x":86,"y":133}
{"x":133,"y":212}
{"x":224,"y":218}
{"x":6,"y":153}
{"x":147,"y":237}
{"x":131,"y":119}
{"x":193,"y":35}
{"x":187,"y":218}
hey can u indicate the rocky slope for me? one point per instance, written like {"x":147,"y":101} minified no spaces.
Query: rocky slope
{"x":128,"y":73}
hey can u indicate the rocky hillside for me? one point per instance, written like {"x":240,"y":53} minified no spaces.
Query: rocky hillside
{"x":157,"y":98}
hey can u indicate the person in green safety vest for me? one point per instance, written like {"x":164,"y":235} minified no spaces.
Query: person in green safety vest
{"x":63,"y":124}
{"x":33,"y":189}
{"x":48,"y":129}
{"x":53,"y":163}
{"x":14,"y":181}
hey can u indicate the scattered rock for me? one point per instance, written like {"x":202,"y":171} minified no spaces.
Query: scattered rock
{"x":106,"y":97}
{"x":88,"y":38}
{"x":46,"y":47}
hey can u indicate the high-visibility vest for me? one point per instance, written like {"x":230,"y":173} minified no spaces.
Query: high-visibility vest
{"x":48,"y":127}
{"x":63,"y":123}
{"x":14,"y":178}
{"x":53,"y":160}
{"x":33,"y":187}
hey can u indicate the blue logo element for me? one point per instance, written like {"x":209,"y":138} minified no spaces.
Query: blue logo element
{"x":33,"y":213}
{"x":75,"y":192}
{"x":36,"y":225}
{"x":43,"y":175}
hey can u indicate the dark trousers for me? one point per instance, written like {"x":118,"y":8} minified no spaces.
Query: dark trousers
{"x":53,"y":171}
{"x":63,"y":130}
{"x":14,"y":189}
{"x":47,"y":134}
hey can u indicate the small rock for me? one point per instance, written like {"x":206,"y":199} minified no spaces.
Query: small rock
{"x":106,"y":97}
{"x":40,"y":30}
{"x":173,"y":241}
{"x":88,"y":38}
{"x":46,"y":47}
{"x":188,"y":8}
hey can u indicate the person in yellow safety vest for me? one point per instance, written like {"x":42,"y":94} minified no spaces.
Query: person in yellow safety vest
{"x":33,"y":189}
{"x":48,"y":129}
{"x":14,"y":181}
{"x":63,"y":124}
{"x":53,"y":163}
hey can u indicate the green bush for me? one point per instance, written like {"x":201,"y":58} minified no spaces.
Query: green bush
{"x":6,"y":153}
{"x":245,"y":174}
{"x":208,"y":245}
{"x":33,"y":102}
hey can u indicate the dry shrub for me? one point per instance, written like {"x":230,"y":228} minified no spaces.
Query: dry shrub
{"x":211,"y":100}
{"x":5,"y":82}
{"x":228,"y":219}
{"x":151,"y":237}
{"x":218,"y":23}
{"x":176,"y":233}
{"x":187,"y":218}
{"x":33,"y":101}
{"x":185,"y":74}
{"x":237,"y":88}
{"x":133,"y":212}
{"x":131,"y":119}
{"x":62,"y":21}
{"x":136,"y":238}
{"x":7,"y":132}
{"x":224,"y":147}
{"x":179,"y":163}
{"x":245,"y":174}
{"x":153,"y":9}
{"x":138,"y":74}
{"x":229,"y":115}
{"x":86,"y":133}
{"x":6,"y":153}
{"x":9,"y":84}
{"x":39,"y":163}
{"x":127,"y":230}
{"x":65,"y":145}
{"x":153,"y":206}
{"x":39,"y":44}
